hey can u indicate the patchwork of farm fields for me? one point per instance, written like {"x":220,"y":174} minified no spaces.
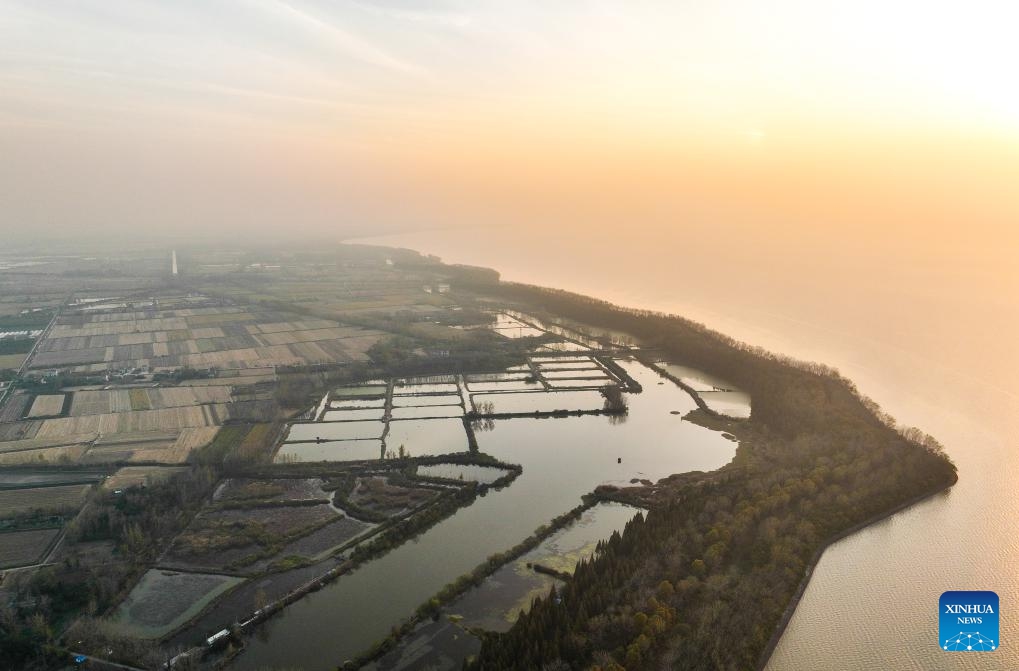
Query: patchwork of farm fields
{"x":199,"y":337}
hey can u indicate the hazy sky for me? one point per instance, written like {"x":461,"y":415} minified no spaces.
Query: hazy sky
{"x":362,"y":116}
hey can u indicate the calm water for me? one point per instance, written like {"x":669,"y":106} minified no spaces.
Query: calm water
{"x":930,"y":335}
{"x":562,"y":459}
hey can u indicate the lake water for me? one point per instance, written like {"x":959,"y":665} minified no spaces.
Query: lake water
{"x":925,"y":329}
{"x":562,"y":459}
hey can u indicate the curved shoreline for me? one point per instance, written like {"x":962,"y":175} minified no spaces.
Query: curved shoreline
{"x":794,"y":600}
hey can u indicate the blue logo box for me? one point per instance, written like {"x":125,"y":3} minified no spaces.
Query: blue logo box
{"x":968,"y":622}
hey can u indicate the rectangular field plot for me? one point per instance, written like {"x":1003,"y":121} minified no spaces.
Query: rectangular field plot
{"x":137,"y":476}
{"x":319,"y":543}
{"x":350,"y":415}
{"x":333,"y":450}
{"x":541,"y":401}
{"x":46,"y":499}
{"x":314,"y":431}
{"x":379,"y":495}
{"x":43,"y":455}
{"x":164,"y":600}
{"x":47,"y":405}
{"x":421,"y":437}
{"x":23,"y":548}
{"x":428,"y":411}
{"x":409,"y":401}
{"x":277,"y":489}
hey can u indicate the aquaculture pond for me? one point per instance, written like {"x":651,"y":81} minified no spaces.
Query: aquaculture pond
{"x":422,"y":437}
{"x":428,"y":411}
{"x":348,"y":415}
{"x":319,"y":431}
{"x":450,"y":399}
{"x":562,"y":459}
{"x":331,"y":450}
{"x":521,"y":402}
{"x":495,"y":604}
{"x":470,"y":472}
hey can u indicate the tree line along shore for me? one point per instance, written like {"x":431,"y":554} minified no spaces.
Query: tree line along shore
{"x":705,"y":579}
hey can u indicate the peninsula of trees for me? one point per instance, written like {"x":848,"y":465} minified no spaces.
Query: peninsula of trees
{"x":707,"y":578}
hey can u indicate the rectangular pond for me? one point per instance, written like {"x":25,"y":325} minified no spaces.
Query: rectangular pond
{"x":439,"y":388}
{"x":468,"y":472}
{"x":428,"y":411}
{"x":334,"y":430}
{"x":341,"y":404}
{"x":346,"y":415}
{"x":409,"y":401}
{"x":562,"y":459}
{"x":506,"y":385}
{"x":541,"y":401}
{"x":333,"y":450}
{"x":420,"y":437}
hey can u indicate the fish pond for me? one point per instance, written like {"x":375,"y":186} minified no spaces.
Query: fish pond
{"x":562,"y":458}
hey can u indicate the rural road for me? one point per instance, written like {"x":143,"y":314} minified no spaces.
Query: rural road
{"x":96,"y":663}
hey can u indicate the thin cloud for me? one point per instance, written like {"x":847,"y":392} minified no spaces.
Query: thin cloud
{"x":349,"y":43}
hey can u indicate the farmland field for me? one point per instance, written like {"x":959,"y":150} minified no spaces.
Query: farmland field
{"x":378,"y":495}
{"x":11,"y":360}
{"x":320,"y":542}
{"x":238,"y":538}
{"x":21,"y":548}
{"x":164,"y":600}
{"x":133,"y":476}
{"x":64,"y":497}
{"x":47,"y":405}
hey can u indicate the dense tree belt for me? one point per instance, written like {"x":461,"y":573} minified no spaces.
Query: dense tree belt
{"x":703,"y":580}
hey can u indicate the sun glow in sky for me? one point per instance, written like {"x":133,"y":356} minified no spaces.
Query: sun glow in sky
{"x":366,"y":116}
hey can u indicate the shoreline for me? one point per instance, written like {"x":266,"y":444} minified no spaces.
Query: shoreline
{"x":794,"y":600}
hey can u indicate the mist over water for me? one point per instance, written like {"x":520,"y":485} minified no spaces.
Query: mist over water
{"x":927,"y":331}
